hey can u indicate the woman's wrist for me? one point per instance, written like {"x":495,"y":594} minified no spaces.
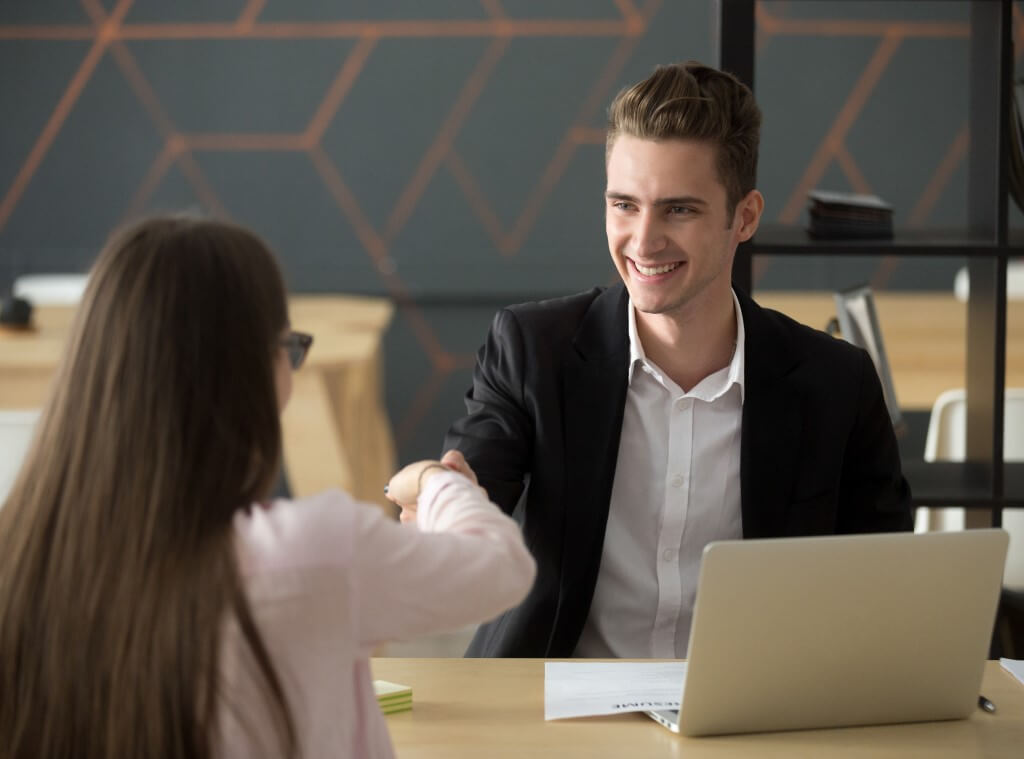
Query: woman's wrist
{"x":425,"y":476}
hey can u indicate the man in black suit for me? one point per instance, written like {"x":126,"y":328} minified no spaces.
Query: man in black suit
{"x":627,"y":427}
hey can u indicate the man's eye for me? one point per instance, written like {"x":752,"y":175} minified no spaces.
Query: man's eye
{"x":680,"y":210}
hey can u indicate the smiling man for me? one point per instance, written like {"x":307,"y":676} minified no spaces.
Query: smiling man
{"x":627,"y":427}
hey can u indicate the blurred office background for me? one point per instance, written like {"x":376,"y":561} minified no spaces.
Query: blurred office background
{"x":448,"y":154}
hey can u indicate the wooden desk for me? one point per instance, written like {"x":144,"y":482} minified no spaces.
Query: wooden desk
{"x":494,"y":708}
{"x":335,"y":431}
{"x":924,"y":334}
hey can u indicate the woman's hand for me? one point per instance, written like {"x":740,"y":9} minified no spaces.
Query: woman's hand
{"x":405,"y":487}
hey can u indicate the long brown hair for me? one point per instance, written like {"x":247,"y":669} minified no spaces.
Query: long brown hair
{"x":117,"y":562}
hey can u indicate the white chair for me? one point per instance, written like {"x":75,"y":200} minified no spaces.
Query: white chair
{"x":16,"y":429}
{"x":947,"y":441}
{"x":51,"y":289}
{"x":1014,"y":282}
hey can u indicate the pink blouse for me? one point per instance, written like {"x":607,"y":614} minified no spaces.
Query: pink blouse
{"x":329,"y":578}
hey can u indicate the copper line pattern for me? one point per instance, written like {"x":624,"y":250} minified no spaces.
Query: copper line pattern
{"x":628,"y":10}
{"x":149,"y":100}
{"x":844,"y":120}
{"x":242,"y":141}
{"x":940,"y":178}
{"x":164,"y":160}
{"x":636,"y":22}
{"x":495,"y":27}
{"x":509,"y":244}
{"x":204,"y":191}
{"x":536,"y":199}
{"x":851,"y":170}
{"x":421,"y":404}
{"x":758,"y":267}
{"x":375,"y":247}
{"x":414,"y":314}
{"x":887,"y":266}
{"x":96,"y":12}
{"x":588,"y":135}
{"x":793,"y":27}
{"x":349,"y":206}
{"x":474,"y":196}
{"x":567,"y":148}
{"x":60,"y":113}
{"x":599,"y":90}
{"x":338,"y":90}
{"x":151,"y":103}
{"x":142,"y":89}
{"x":55,"y":32}
{"x":471,"y":90}
{"x":859,"y":184}
{"x":764,"y":30}
{"x":957,"y":151}
{"x":249,"y":14}
{"x":498,"y":27}
{"x":764,"y":19}
{"x":378,"y":250}
{"x":493,"y":8}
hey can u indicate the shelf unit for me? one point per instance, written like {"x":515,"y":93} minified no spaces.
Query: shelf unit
{"x":984,"y":481}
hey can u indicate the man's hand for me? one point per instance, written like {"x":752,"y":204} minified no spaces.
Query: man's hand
{"x":404,"y":488}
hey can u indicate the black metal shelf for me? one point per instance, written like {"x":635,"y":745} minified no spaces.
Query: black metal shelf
{"x":778,"y":240}
{"x":962,"y":483}
{"x":985,"y":481}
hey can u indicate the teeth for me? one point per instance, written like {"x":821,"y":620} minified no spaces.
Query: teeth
{"x":650,"y":271}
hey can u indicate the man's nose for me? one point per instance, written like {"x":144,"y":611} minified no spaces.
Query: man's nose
{"x":648,"y":235}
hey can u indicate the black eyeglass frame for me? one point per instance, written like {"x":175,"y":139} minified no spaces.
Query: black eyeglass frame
{"x":297,"y":344}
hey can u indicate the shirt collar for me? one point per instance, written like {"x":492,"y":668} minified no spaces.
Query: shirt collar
{"x":736,"y":365}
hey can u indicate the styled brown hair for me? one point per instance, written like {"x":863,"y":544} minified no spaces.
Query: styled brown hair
{"x":691,"y":101}
{"x":117,"y":563}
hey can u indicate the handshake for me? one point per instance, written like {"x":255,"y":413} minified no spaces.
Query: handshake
{"x":405,"y":487}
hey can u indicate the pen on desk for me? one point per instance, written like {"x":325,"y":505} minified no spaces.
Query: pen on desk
{"x":987,"y":705}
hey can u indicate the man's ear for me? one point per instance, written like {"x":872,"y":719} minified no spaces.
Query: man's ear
{"x":748,"y":215}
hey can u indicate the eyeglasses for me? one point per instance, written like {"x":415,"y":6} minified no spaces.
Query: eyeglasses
{"x":297,"y":344}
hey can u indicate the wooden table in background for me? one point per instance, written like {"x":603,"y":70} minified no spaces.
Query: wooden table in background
{"x":494,"y":708}
{"x":924,"y":336}
{"x":335,"y":431}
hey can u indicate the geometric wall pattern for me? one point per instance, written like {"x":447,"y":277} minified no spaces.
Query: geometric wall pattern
{"x":448,"y":153}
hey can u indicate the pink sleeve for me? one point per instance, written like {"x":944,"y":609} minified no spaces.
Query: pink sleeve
{"x":465,"y":563}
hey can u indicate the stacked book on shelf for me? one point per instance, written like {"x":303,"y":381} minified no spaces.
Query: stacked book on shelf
{"x":392,"y":697}
{"x":848,"y":216}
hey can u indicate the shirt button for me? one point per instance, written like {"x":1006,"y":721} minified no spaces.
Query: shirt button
{"x":677,"y":481}
{"x":668,"y":554}
{"x":683,"y":403}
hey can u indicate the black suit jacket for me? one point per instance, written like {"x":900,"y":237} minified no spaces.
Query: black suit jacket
{"x":818,"y":453}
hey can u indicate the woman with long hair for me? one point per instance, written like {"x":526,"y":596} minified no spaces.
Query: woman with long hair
{"x":152,"y":602}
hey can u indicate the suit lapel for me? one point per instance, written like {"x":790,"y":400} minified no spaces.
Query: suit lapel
{"x":772,"y":425}
{"x":593,"y":399}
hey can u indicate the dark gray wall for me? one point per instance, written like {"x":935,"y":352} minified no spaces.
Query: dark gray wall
{"x":448,"y":153}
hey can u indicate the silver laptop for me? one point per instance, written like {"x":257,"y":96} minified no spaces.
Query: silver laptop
{"x":801,"y":633}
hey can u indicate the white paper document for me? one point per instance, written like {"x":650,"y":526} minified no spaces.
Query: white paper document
{"x":587,"y":689}
{"x":1015,"y":667}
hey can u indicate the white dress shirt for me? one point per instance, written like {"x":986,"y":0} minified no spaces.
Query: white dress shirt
{"x":677,"y":488}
